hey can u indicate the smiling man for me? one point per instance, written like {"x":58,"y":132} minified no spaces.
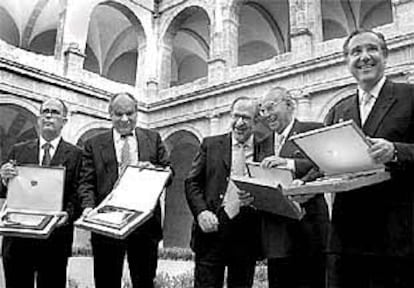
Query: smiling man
{"x":219,"y":238}
{"x":105,"y":156}
{"x":292,"y":247}
{"x":373,"y":229}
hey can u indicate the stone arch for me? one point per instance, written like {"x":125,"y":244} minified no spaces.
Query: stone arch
{"x":253,"y":52}
{"x":31,"y":22}
{"x":262,"y":23}
{"x":181,"y":37}
{"x":333,"y":100}
{"x":30,"y":105}
{"x":9,"y":30}
{"x":354,"y":14}
{"x":169,"y":20}
{"x":178,"y":219}
{"x":333,"y":29}
{"x":44,"y":43}
{"x":371,"y":18}
{"x":186,"y":127}
{"x":83,"y":132}
{"x":18,"y":122}
{"x":89,"y":134}
{"x":119,"y":41}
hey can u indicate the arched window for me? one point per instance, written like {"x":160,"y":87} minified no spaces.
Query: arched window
{"x":114,"y":35}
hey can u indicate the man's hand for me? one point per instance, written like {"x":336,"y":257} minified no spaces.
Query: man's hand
{"x":246,"y":199}
{"x":273,"y":161}
{"x":8,"y":171}
{"x":207,"y":221}
{"x":145,"y":164}
{"x":86,"y":211}
{"x":63,"y":218}
{"x":381,"y":150}
{"x":301,"y":198}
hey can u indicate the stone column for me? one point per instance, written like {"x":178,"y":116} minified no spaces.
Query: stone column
{"x":217,"y":60}
{"x":402,"y":14}
{"x":306,"y":25}
{"x":73,"y":60}
{"x":73,"y":27}
{"x":152,"y":88}
{"x":410,"y":77}
{"x":230,"y":41}
{"x":141,"y":73}
{"x":165,"y":63}
{"x":214,"y":123}
{"x":216,"y":70}
{"x":303,"y":108}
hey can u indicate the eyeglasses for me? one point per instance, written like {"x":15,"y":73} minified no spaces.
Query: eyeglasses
{"x":269,"y":107}
{"x":51,"y":112}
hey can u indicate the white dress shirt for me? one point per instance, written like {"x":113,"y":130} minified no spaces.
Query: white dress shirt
{"x":280,"y":140}
{"x":365,"y":108}
{"x":247,"y":148}
{"x":54,"y":144}
{"x":133,"y":147}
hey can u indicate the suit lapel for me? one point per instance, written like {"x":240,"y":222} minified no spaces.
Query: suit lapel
{"x":108,"y":154}
{"x":288,"y":147}
{"x":31,"y":152}
{"x":60,"y":155}
{"x":382,"y":105}
{"x":264,"y":147}
{"x":352,"y":111}
{"x":225,"y":148}
{"x":144,"y":150}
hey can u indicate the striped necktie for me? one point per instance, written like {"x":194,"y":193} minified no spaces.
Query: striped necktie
{"x":46,"y":154}
{"x":125,"y":153}
{"x":366,"y":106}
{"x":239,"y":160}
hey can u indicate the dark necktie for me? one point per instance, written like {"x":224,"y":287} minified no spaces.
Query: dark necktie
{"x":46,"y":155}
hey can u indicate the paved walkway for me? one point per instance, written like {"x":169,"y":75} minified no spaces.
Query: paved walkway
{"x":81,"y":269}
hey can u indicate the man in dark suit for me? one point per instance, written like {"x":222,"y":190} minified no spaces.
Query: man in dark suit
{"x":295,"y":249}
{"x":223,"y":233}
{"x":373,"y":226}
{"x":104,"y":157}
{"x":44,"y":261}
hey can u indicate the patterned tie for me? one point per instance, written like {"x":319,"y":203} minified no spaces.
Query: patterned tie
{"x":279,"y":138}
{"x":365,"y":106}
{"x":125,"y":155}
{"x":46,"y":154}
{"x":239,"y":160}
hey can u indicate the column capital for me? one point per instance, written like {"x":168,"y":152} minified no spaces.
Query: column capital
{"x":73,"y":59}
{"x":399,"y":2}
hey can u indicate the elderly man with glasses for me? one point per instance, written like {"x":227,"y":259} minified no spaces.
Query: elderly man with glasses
{"x":294,"y":248}
{"x":43,"y":261}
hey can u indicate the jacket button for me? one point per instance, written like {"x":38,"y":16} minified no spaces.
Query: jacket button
{"x":221,"y":196}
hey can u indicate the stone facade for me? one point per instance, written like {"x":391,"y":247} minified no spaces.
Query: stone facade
{"x":175,"y":41}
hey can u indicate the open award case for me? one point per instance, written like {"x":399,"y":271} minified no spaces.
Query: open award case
{"x":341,"y":153}
{"x":267,"y":186}
{"x":130,"y":203}
{"x":34,"y":202}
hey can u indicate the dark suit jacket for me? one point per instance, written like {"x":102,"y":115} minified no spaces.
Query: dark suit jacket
{"x":100,"y":170}
{"x":66,"y":155}
{"x":281,"y":236}
{"x":205,"y":187}
{"x":378,"y":220}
